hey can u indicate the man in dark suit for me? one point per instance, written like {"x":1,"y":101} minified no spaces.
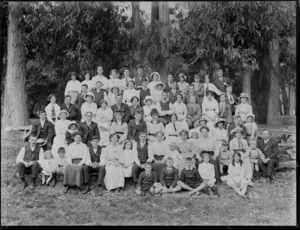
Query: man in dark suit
{"x":225,"y":109}
{"x":80,"y":100}
{"x":136,"y":126}
{"x":72,"y":110}
{"x":269,"y":147}
{"x":170,"y":80}
{"x":139,"y":77}
{"x":88,"y":129}
{"x":121,"y":106}
{"x":44,"y":129}
{"x":144,"y":91}
{"x":237,"y":122}
{"x":231,"y":98}
{"x":173,"y":93}
{"x":221,"y":82}
{"x":96,"y":167}
{"x":99,"y":93}
{"x":191,"y":92}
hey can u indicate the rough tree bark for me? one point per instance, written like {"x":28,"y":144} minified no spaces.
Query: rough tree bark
{"x":246,"y":75}
{"x":136,"y":31}
{"x":15,"y":107}
{"x":273,"y":103}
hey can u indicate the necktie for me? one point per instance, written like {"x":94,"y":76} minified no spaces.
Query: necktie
{"x":240,"y":144}
{"x":53,"y":111}
{"x":174,"y":127}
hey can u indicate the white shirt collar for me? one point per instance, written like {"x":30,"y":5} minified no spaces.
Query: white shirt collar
{"x":266,"y":141}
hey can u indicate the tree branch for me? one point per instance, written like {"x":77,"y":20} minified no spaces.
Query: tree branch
{"x":192,"y":61}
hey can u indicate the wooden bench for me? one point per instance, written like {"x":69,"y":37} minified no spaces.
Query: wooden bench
{"x":26,"y":130}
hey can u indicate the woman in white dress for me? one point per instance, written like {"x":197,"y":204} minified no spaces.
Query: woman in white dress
{"x":210,"y":108}
{"x":243,"y":109}
{"x":113,"y":159}
{"x":52,"y":109}
{"x":104,"y":117}
{"x":130,"y":157}
{"x":155,"y":77}
{"x":157,"y":92}
{"x":180,"y":110}
{"x":130,"y":92}
{"x":220,"y":133}
{"x":61,"y":127}
{"x":89,"y":106}
{"x":114,"y":81}
{"x":148,"y":107}
{"x":73,"y":87}
{"x":88,"y":81}
{"x":111,"y":96}
{"x":209,"y":87}
{"x":172,"y":130}
{"x":119,"y":126}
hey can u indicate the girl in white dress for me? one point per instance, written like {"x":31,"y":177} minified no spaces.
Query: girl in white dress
{"x":210,"y":108}
{"x":89,"y":106}
{"x":88,"y":81}
{"x":130,"y":92}
{"x":130,"y":157}
{"x":172,"y":130}
{"x":180,"y":110}
{"x":243,"y":108}
{"x":49,"y":166}
{"x":61,"y":127}
{"x":114,"y":81}
{"x":52,"y":109}
{"x":111,"y":97}
{"x":220,"y":133}
{"x":210,"y":86}
{"x":155,"y":77}
{"x":113,"y":159}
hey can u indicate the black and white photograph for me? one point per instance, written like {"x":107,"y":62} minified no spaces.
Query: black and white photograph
{"x":149,"y":113}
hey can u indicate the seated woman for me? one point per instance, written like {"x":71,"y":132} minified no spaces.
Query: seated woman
{"x":186,"y":149}
{"x":157,"y":152}
{"x":239,"y":144}
{"x":210,"y":108}
{"x":130,"y":92}
{"x":89,"y":105}
{"x":113,"y":159}
{"x":154,"y":126}
{"x":243,"y":109}
{"x":52,"y":109}
{"x":119,"y":127}
{"x":220,"y":133}
{"x":236,"y":175}
{"x":148,"y":108}
{"x":72,"y":128}
{"x":172,"y":130}
{"x":61,"y":127}
{"x":135,"y":106}
{"x":111,"y":96}
{"x":180,"y":110}
{"x":77,"y":171}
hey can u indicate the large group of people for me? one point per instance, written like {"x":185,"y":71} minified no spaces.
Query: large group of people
{"x":164,"y":136}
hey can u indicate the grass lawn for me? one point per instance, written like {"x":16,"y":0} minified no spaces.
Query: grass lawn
{"x":273,"y":204}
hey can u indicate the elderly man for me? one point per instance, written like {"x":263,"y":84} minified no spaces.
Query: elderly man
{"x":121,"y":106}
{"x":269,"y":147}
{"x":27,"y":161}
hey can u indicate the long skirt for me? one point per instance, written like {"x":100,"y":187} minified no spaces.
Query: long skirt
{"x":239,"y":182}
{"x":128,"y":171}
{"x":114,"y":177}
{"x":181,"y":163}
{"x":73,"y":175}
{"x":73,"y":96}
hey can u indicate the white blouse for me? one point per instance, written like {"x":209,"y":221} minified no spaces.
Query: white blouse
{"x":113,"y":82}
{"x":111,"y":99}
{"x":147,"y":111}
{"x":102,"y":79}
{"x":206,"y":171}
{"x":88,"y":107}
{"x":104,"y":115}
{"x":78,"y":151}
{"x":157,"y":96}
{"x":212,"y":87}
{"x":90,"y":84}
{"x":128,"y":94}
{"x":73,"y":86}
{"x":243,"y":109}
{"x":180,"y":110}
{"x":151,"y":86}
{"x":49,"y":109}
{"x":131,"y":156}
{"x":157,"y":148}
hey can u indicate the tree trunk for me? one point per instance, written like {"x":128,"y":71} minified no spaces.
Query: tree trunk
{"x":155,"y":10}
{"x":136,"y":18}
{"x":246,"y":76}
{"x":15,"y":107}
{"x":273,"y":103}
{"x":285,"y":99}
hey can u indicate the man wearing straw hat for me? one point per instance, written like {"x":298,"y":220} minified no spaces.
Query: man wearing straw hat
{"x":73,"y":87}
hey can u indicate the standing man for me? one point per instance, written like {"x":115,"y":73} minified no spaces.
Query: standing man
{"x":27,"y":161}
{"x":173,"y":93}
{"x":44,"y":129}
{"x":121,"y":106}
{"x":231,"y":98}
{"x":99,"y":94}
{"x":221,"y":82}
{"x":70,"y":108}
{"x":73,"y":87}
{"x":138,"y":78}
{"x":88,"y":129}
{"x":225,"y":109}
{"x":165,"y":109}
{"x":269,"y":147}
{"x":100,"y":77}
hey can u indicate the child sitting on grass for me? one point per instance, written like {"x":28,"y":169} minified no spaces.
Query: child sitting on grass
{"x":207,"y":173}
{"x":173,"y":153}
{"x":49,"y":167}
{"x":169,"y":178}
{"x":147,"y":182}
{"x":61,"y":162}
{"x":255,"y":155}
{"x":190,"y":178}
{"x":224,"y":156}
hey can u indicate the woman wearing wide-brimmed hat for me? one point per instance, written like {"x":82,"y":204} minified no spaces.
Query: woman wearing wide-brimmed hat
{"x":157,"y":92}
{"x":243,"y":108}
{"x":220,"y":133}
{"x":72,"y":128}
{"x":61,"y":127}
{"x":89,"y":105}
{"x":154,"y":78}
{"x":73,"y":87}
